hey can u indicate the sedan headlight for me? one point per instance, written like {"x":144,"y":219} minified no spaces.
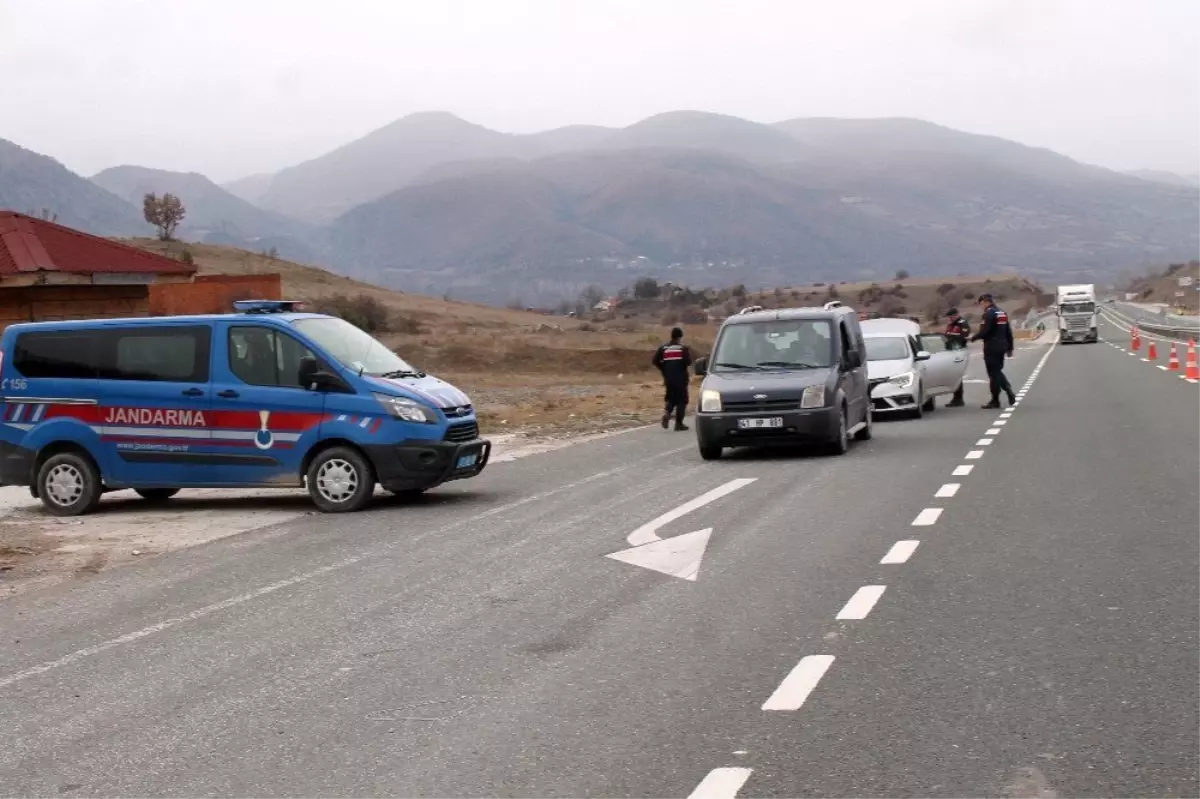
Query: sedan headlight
{"x":902,"y":380}
{"x":813,"y":397}
{"x":407,"y":410}
{"x":710,"y":401}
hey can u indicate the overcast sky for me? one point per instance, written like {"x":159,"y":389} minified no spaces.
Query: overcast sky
{"x":232,"y":88}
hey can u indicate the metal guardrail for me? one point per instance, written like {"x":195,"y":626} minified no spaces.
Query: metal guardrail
{"x":1159,"y":329}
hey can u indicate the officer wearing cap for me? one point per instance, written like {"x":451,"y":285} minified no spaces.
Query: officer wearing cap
{"x":996,"y":334}
{"x":958,"y":330}
{"x":674,"y":359}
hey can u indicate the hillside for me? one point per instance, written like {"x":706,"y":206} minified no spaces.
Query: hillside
{"x":214,"y":215}
{"x":30,"y":182}
{"x":1171,"y":178}
{"x":1162,"y":286}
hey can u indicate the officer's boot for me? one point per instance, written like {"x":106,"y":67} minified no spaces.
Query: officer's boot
{"x":680,"y":412}
{"x":995,"y":403}
{"x":957,"y":400}
{"x":666,"y":417}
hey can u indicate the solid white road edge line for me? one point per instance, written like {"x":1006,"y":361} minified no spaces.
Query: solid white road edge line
{"x":900,"y":552}
{"x":860,"y":605}
{"x":646,"y":533}
{"x":946,"y":491}
{"x":800,"y":682}
{"x":721,"y":783}
{"x":962,"y":471}
{"x":927,"y":517}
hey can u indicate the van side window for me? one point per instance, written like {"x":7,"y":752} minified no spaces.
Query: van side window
{"x":63,"y":355}
{"x":175,"y":354}
{"x":260,"y":356}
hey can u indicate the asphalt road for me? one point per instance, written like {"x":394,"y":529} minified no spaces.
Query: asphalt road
{"x":1041,"y":639}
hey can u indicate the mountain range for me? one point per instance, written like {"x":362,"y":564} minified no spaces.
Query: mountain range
{"x":436,"y":204}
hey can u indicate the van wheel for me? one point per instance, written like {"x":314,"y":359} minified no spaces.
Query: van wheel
{"x":710,"y":453}
{"x":340,"y":480}
{"x":69,"y":484}
{"x":156,"y":494}
{"x":841,"y":444}
{"x":865,"y":433}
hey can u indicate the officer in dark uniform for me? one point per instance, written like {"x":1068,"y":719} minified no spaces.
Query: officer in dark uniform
{"x":958,"y":330}
{"x":996,"y":334}
{"x":674,"y":359}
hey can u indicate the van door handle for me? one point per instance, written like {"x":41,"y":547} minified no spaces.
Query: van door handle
{"x":228,"y":393}
{"x":193,"y":392}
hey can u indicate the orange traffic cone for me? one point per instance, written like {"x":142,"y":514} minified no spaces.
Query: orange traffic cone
{"x":1193,"y":366}
{"x":1152,"y":353}
{"x":1173,"y":359}
{"x":1137,"y":339}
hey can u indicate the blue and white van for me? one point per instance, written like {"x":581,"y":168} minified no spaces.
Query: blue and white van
{"x":267,"y":397}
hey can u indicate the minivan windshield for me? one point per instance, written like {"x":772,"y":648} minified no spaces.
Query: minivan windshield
{"x":353,"y":348}
{"x":777,"y":344}
{"x":888,"y":348}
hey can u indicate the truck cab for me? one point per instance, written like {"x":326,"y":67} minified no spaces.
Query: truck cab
{"x":1078,"y":317}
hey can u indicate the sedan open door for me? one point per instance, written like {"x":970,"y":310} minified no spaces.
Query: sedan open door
{"x":946,"y":367}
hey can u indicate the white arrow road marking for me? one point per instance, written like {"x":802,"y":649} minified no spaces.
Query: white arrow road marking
{"x":646,"y":533}
{"x":678,"y":556}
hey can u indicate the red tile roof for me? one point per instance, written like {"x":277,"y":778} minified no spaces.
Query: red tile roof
{"x":28,"y":244}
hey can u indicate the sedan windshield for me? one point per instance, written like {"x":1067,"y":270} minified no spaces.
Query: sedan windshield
{"x":353,"y":348}
{"x":778,"y":344}
{"x":889,"y":348}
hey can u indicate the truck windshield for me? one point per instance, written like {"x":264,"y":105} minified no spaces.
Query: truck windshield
{"x":353,"y":348}
{"x":889,"y":348}
{"x":779,"y":344}
{"x":1078,"y":307}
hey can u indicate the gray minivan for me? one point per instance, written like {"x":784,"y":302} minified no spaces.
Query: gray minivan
{"x":783,"y":378}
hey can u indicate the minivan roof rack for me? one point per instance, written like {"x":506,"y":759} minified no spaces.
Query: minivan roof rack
{"x":829,"y":306}
{"x":267,"y":306}
{"x":750,"y":309}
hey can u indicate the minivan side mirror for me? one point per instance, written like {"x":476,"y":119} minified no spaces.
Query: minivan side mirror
{"x":853,"y":359}
{"x":700,"y":367}
{"x":923,"y":355}
{"x":325,"y":381}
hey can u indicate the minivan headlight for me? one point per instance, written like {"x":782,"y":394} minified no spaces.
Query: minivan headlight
{"x":902,"y":380}
{"x":710,"y":401}
{"x":813,"y":397}
{"x":407,"y":410}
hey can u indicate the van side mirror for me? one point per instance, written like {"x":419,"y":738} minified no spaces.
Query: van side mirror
{"x":923,"y":355}
{"x":700,"y":367}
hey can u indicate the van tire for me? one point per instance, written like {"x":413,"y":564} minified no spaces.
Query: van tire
{"x":340,"y":480}
{"x":840,"y":445}
{"x":69,"y":484}
{"x":156,"y":495}
{"x":865,"y":433}
{"x":710,"y":453}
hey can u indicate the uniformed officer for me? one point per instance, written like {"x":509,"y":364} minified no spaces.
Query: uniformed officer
{"x":674,"y":359}
{"x":996,"y":334}
{"x":958,"y":330}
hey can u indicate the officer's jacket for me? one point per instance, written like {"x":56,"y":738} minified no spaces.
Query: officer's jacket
{"x":995,"y":332}
{"x":673,"y":360}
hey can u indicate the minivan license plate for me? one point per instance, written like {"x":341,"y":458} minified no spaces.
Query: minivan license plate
{"x":467,"y":461}
{"x":758,"y":424}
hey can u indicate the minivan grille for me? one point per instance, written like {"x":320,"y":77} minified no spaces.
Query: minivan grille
{"x":741,"y":406}
{"x":464,"y":431}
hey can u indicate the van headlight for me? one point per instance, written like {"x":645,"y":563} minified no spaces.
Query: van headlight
{"x":902,"y":380}
{"x":407,"y":410}
{"x":813,"y":397}
{"x":710,"y":401}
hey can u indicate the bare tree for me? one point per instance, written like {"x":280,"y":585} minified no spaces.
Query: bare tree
{"x":164,"y":213}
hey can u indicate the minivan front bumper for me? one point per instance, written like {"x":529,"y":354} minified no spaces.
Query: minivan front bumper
{"x":817,"y":425}
{"x":425,"y":464}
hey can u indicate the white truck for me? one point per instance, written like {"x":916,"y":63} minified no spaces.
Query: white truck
{"x":1077,"y":313}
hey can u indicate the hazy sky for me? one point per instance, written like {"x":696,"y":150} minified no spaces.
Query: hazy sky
{"x":231,"y":88}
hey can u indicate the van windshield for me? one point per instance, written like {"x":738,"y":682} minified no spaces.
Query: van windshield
{"x":887,"y":348}
{"x":353,"y":348}
{"x":778,"y":344}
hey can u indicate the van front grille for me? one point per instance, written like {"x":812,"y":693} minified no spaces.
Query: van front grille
{"x":464,"y":431}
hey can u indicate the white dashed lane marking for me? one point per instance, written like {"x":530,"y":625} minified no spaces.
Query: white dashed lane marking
{"x":974,"y":455}
{"x":800,"y":682}
{"x":947,"y":491}
{"x":927,"y":517}
{"x":993,"y":431}
{"x":900,"y":552}
{"x":721,"y":783}
{"x":983,"y":442}
{"x":962,"y":471}
{"x":861,"y":603}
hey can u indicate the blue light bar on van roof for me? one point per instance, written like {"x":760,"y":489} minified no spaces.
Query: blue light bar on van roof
{"x":267,"y":306}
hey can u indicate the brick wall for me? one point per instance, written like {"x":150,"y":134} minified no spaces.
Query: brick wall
{"x":54,"y":303}
{"x":211,"y":294}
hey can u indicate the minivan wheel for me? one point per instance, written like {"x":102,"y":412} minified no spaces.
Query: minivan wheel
{"x":841,"y":444}
{"x":865,"y":433}
{"x":156,"y":494}
{"x":709,"y":453}
{"x":340,"y":480}
{"x":69,"y":484}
